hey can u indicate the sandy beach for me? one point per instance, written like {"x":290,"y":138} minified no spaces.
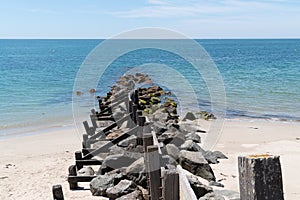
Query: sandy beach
{"x":30,"y":165}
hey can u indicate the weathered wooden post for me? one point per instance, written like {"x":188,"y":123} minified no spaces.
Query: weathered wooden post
{"x":170,"y":185}
{"x":78,"y":156}
{"x":260,"y":177}
{"x":57,"y":192}
{"x":154,"y":172}
{"x":73,"y":172}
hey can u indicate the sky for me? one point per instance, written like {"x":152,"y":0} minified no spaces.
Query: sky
{"x":107,"y":18}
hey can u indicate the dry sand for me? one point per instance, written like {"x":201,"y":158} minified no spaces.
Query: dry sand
{"x":30,"y":165}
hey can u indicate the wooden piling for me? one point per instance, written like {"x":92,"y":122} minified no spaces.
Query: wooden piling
{"x":154,"y":172}
{"x":260,"y":177}
{"x":78,"y":156}
{"x":170,"y":185}
{"x":57,"y":192}
{"x":73,"y":172}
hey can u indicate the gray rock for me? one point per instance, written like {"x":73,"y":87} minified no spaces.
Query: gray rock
{"x":86,"y":171}
{"x":194,"y":137}
{"x":101,"y":183}
{"x":212,"y":157}
{"x":212,"y":196}
{"x":122,"y":188}
{"x":130,"y":140}
{"x":190,"y":145}
{"x":196,"y":164}
{"x":217,"y":184}
{"x":136,"y":195}
{"x":136,"y":172}
{"x":228,"y":194}
{"x":145,"y":192}
{"x":168,"y":160}
{"x":199,"y":189}
{"x":189,"y":116}
{"x":173,"y":151}
{"x":116,"y":161}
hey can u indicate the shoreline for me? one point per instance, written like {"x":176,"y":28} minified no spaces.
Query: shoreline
{"x":36,"y":162}
{"x":69,"y":124}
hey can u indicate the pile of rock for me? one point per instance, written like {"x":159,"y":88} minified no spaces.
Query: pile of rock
{"x":122,"y":174}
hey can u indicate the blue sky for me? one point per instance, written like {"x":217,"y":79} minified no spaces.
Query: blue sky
{"x":106,"y":18}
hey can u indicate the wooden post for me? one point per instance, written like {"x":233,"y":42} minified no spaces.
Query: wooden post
{"x":57,"y":192}
{"x":78,"y":156}
{"x":73,"y":172}
{"x":260,"y":177}
{"x":154,"y":172}
{"x":170,"y":185}
{"x":85,"y":142}
{"x":133,"y":116}
{"x":141,"y":121}
{"x":93,"y":120}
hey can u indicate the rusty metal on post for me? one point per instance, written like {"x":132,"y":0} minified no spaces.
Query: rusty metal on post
{"x":260,"y":177}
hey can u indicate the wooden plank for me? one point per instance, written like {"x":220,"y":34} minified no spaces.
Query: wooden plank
{"x":89,"y":162}
{"x":113,"y":125}
{"x":76,"y":179}
{"x":170,"y":185}
{"x":105,"y":148}
{"x":186,"y":191}
{"x":260,"y":177}
{"x":94,"y":121}
{"x":57,"y":192}
{"x":154,"y":172}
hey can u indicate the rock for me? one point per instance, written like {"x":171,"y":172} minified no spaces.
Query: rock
{"x":122,"y":188}
{"x":130,"y":140}
{"x":136,"y":195}
{"x":205,"y":115}
{"x":228,"y":194}
{"x":191,"y":146}
{"x":196,"y":164}
{"x":189,"y":116}
{"x":212,"y":196}
{"x":136,"y":172}
{"x":116,"y":161}
{"x":217,"y":184}
{"x":101,"y":183}
{"x":194,"y":137}
{"x":86,"y":171}
{"x":173,"y":151}
{"x":145,"y":192}
{"x":199,"y":189}
{"x":212,"y":157}
{"x":168,"y":160}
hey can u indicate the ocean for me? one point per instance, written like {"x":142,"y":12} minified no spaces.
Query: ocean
{"x":261,"y":79}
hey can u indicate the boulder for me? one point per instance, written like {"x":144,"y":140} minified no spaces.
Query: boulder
{"x":212,"y":196}
{"x":130,"y":140}
{"x":190,"y":145}
{"x":122,"y":188}
{"x":212,"y":157}
{"x":86,"y":171}
{"x":173,"y":151}
{"x":136,"y":172}
{"x":196,"y":164}
{"x":116,"y":161}
{"x":135,"y":195}
{"x":189,"y":116}
{"x":216,"y":184}
{"x":194,"y":137}
{"x":168,"y":160}
{"x":101,"y":183}
{"x":199,"y":189}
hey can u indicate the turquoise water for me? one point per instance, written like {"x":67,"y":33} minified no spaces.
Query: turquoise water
{"x":261,"y":78}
